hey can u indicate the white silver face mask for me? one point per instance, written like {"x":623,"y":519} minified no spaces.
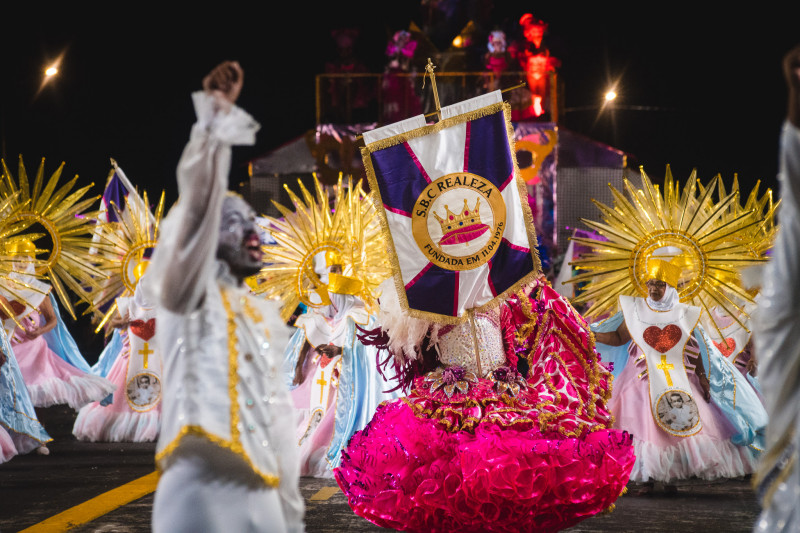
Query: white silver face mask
{"x":239,"y":244}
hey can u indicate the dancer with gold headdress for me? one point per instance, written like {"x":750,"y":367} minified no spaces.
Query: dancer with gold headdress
{"x":51,"y":364}
{"x":20,"y":430}
{"x":691,"y":413}
{"x":134,"y":413}
{"x":730,"y":327}
{"x":334,"y":269}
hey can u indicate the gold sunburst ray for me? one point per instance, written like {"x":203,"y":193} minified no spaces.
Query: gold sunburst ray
{"x":626,"y":210}
{"x":731,"y":229}
{"x":608,"y":301}
{"x":695,"y":207}
{"x":732,"y":289}
{"x":688,"y":192}
{"x":606,"y":231}
{"x":714,"y":213}
{"x":611,"y":283}
{"x":763,"y":209}
{"x":642,"y":213}
{"x":589,"y":276}
{"x":606,"y":244}
{"x":14,"y":287}
{"x":724,"y":303}
{"x":612,"y":215}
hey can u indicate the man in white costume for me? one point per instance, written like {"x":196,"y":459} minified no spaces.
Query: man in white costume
{"x":777,"y":333}
{"x":226,"y":452}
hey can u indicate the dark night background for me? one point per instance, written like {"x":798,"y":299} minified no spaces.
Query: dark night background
{"x":711,"y":82}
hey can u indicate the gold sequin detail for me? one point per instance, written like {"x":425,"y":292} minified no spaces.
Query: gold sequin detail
{"x":197,"y":431}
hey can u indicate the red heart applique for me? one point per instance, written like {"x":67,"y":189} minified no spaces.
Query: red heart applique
{"x":726,"y":346}
{"x":662,"y":339}
{"x":143,"y":329}
{"x":17,"y":307}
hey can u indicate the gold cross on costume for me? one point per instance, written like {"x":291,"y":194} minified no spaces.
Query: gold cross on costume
{"x":321,"y":381}
{"x":146,"y":351}
{"x":666,"y":367}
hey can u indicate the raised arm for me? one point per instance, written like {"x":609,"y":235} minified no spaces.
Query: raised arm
{"x":185,"y":256}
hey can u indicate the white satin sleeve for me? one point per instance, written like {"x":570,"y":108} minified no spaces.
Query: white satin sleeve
{"x":184,"y":259}
{"x":777,"y":335}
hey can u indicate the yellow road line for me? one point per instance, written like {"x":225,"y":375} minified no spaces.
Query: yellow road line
{"x":324,"y":493}
{"x":97,"y":507}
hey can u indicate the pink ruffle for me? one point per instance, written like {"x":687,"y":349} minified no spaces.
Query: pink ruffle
{"x":117,"y":422}
{"x":98,"y":423}
{"x":7,"y":448}
{"x":492,"y":479}
{"x":53,"y":381}
{"x":75,"y":391}
{"x":542,"y":459}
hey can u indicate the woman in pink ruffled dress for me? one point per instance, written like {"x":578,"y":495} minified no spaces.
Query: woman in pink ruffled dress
{"x":51,"y":378}
{"x":134,"y":412}
{"x":504,"y":428}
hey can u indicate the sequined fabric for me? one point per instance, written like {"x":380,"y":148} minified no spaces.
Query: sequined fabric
{"x":457,"y":344}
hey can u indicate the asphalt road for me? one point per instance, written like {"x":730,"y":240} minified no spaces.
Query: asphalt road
{"x":45,"y":493}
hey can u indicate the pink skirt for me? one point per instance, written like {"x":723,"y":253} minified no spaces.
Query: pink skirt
{"x":117,"y":422}
{"x":314,"y":432}
{"x":53,"y":381}
{"x":660,"y":456}
{"x":7,"y":448}
{"x":539,"y":459}
{"x":406,"y":472}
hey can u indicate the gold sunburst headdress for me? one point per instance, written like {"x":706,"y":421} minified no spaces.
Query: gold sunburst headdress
{"x":346,"y":232}
{"x":57,"y":214}
{"x":712,"y":241}
{"x":132,"y":238}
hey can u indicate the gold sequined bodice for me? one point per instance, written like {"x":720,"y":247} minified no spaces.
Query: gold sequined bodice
{"x":457,"y":345}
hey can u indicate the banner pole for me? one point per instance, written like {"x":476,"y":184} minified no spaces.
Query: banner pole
{"x":429,"y":71}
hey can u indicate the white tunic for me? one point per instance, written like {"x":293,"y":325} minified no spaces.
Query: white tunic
{"x":777,"y":339}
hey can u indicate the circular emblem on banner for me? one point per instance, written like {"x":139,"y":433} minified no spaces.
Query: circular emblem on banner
{"x":459,"y":220}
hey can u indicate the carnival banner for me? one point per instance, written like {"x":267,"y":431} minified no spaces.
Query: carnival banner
{"x":454,"y":208}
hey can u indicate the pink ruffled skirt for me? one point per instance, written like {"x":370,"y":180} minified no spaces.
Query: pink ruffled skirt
{"x":53,"y":381}
{"x":408,"y":472}
{"x":7,"y":447}
{"x":117,"y":422}
{"x":707,"y":455}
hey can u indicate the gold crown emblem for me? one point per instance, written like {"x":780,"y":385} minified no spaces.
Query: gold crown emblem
{"x":467,"y":217}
